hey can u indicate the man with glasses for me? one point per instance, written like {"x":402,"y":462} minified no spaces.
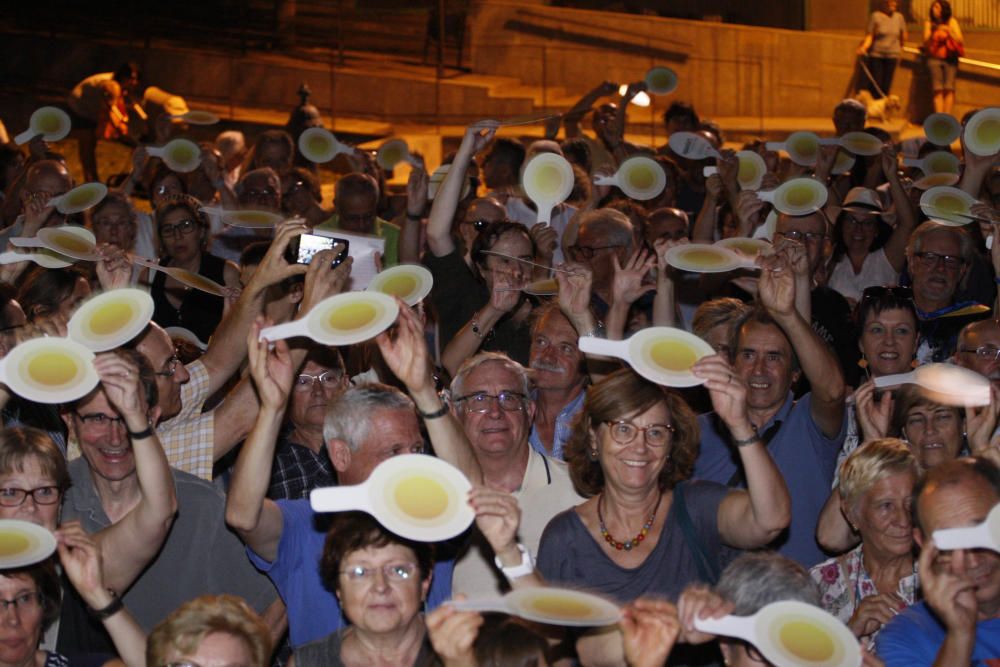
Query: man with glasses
{"x":603,"y":236}
{"x":979,"y":349}
{"x":364,"y":426}
{"x":301,"y":463}
{"x":939,"y":258}
{"x":773,"y":346}
{"x":122,"y":466}
{"x":490,"y":398}
{"x":355,"y":206}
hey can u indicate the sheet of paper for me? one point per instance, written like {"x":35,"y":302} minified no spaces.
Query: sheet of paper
{"x":362,"y":249}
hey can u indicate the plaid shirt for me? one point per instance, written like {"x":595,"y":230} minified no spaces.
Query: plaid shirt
{"x":187,"y":437}
{"x":297,"y":470}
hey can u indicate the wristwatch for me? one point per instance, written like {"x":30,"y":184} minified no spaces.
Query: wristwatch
{"x":526,"y":567}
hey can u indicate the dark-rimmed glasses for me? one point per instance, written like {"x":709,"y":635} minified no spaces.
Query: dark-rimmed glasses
{"x":99,"y":420}
{"x":182,"y":228}
{"x":930,"y":260}
{"x":42,"y":495}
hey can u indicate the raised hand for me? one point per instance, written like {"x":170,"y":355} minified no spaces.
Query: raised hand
{"x":545,"y":241}
{"x":323,"y":279}
{"x":627,"y":286}
{"x":951,"y":597}
{"x":498,"y":517}
{"x":574,"y":290}
{"x":82,"y":562}
{"x":726,"y":389}
{"x":123,"y":386}
{"x":699,"y":601}
{"x":980,"y":424}
{"x":776,"y":289}
{"x":874,"y":612}
{"x":649,"y":628}
{"x":270,"y":367}
{"x":114,"y":270}
{"x":890,"y":162}
{"x":405,"y":352}
{"x":729,"y":169}
{"x":453,"y":634}
{"x":416,"y":192}
{"x":480,"y":134}
{"x":275,"y":267}
{"x":36,"y":213}
{"x":873,"y":416}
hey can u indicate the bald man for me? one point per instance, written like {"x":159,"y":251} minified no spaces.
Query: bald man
{"x":45,"y":179}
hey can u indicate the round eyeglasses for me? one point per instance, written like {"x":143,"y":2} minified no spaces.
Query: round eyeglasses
{"x":656,"y":435}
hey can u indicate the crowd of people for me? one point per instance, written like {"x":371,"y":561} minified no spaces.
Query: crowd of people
{"x":178,"y":490}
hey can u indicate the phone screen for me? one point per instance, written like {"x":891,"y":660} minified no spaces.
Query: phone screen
{"x":310,"y":244}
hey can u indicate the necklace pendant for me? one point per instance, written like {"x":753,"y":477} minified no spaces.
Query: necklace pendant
{"x":628,"y":546}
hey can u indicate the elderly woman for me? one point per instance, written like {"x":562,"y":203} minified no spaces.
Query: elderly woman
{"x":870,"y":584}
{"x":935,"y":433}
{"x":381,"y":581}
{"x":183,"y":230}
{"x":646,"y":529}
{"x":114,"y":221}
{"x":210,"y":630}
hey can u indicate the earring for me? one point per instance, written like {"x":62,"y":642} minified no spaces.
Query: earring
{"x":593,"y":455}
{"x":863,"y":363}
{"x":914,"y":363}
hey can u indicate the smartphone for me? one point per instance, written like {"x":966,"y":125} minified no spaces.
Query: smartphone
{"x":310,"y":244}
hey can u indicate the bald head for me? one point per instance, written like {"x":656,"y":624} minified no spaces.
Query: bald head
{"x":49,"y":176}
{"x":666,"y":223}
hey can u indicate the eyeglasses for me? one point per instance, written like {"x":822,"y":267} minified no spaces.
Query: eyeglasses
{"x":509,"y":401}
{"x":394,"y":572}
{"x":656,"y":435}
{"x":265,"y":193}
{"x":930,"y":260}
{"x":182,"y":228}
{"x":42,"y":495}
{"x":329,"y":380}
{"x":170,"y":367}
{"x":478,"y":225}
{"x":99,"y":420}
{"x":879,"y":292}
{"x":588,"y":252}
{"x":25,"y":602}
{"x":939,"y":420}
{"x":984,"y":352}
{"x":799,"y":237}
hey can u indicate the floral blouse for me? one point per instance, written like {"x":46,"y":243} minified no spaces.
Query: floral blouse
{"x":843,"y":583}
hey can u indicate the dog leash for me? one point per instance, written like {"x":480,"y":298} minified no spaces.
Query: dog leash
{"x":871,"y":77}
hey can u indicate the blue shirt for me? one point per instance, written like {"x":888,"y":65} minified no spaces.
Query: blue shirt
{"x":915,"y":636}
{"x":805,"y":457}
{"x":313,"y":611}
{"x":564,"y":427}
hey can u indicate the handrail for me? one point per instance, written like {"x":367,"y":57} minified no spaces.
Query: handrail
{"x":965,"y":61}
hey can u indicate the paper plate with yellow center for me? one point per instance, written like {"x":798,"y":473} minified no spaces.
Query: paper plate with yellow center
{"x":706,"y":258}
{"x":661,"y":80}
{"x":111,"y":318}
{"x":547,"y":180}
{"x":861,"y":143}
{"x":947,"y":205}
{"x":23,"y":543}
{"x":941,"y":129}
{"x":51,"y":122}
{"x":798,"y":196}
{"x":982,"y":132}
{"x":747,"y":246}
{"x":49,"y":370}
{"x":938,"y":162}
{"x":251,"y":219}
{"x":551,"y":605}
{"x":663,"y":355}
{"x":197,"y":117}
{"x":392,"y":153}
{"x":80,"y":198}
{"x":409,"y":282}
{"x":791,"y":634}
{"x":180,"y":155}
{"x":344,"y":319}
{"x":416,"y":496}
{"x":640,"y":178}
{"x":69,"y":241}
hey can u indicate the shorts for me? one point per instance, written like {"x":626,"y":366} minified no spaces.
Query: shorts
{"x":942,"y":74}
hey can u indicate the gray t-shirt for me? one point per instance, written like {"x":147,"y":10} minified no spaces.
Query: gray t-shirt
{"x":886,"y":32}
{"x":200,"y":556}
{"x":570,"y":555}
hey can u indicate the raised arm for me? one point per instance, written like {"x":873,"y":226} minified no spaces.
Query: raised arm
{"x":906,"y":217}
{"x":752,"y":518}
{"x":411,"y":220}
{"x":446,"y":201}
{"x":138,"y":536}
{"x":665,"y":303}
{"x":82,"y":561}
{"x":707,"y":220}
{"x":572,"y":118}
{"x":228,"y":348}
{"x":777,"y":293}
{"x":254,"y":517}
{"x":407,"y":356}
{"x":627,"y":287}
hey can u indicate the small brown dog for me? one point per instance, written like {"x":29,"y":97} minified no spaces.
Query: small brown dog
{"x":886,"y":109}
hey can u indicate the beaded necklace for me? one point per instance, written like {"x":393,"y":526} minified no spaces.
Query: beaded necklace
{"x":640,"y":536}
